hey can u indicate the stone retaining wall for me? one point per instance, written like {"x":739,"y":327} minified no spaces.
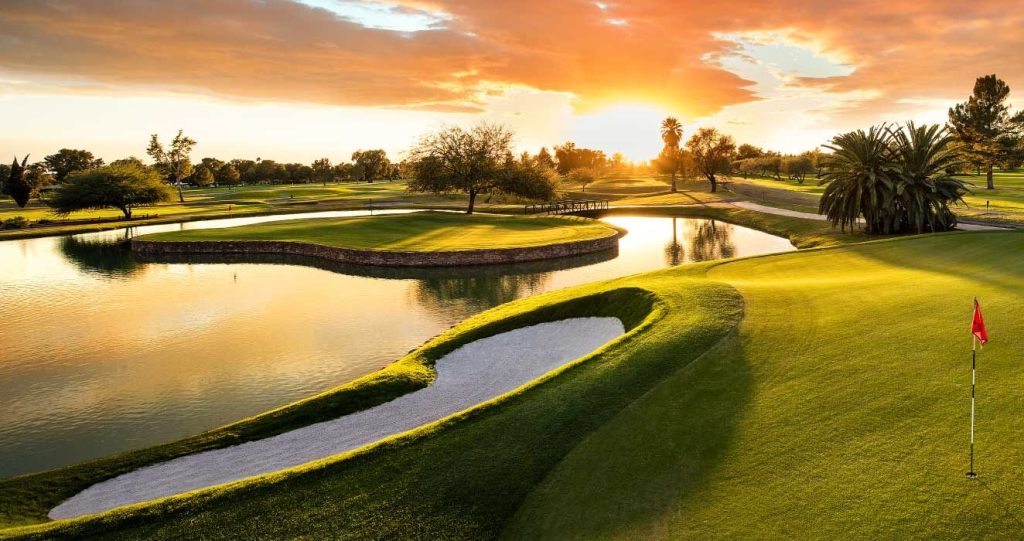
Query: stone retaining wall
{"x":378,"y":257}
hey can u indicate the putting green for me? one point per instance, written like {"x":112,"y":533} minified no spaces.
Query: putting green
{"x":411,"y":232}
{"x":815,"y":394}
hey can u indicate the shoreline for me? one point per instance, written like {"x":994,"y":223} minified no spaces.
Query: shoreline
{"x":382,"y":258}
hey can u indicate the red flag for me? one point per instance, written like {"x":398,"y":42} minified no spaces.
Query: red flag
{"x":978,"y":324}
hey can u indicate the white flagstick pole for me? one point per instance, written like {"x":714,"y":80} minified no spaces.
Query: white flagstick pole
{"x":974,"y":355}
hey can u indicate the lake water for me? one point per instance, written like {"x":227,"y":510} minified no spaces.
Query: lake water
{"x":101,"y":353}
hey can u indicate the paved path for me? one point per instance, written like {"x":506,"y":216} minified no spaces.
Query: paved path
{"x":470,"y":375}
{"x":813,"y":216}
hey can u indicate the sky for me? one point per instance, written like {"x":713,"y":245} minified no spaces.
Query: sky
{"x":296,"y":80}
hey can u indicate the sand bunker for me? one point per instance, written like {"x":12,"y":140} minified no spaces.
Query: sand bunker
{"x":472,"y":374}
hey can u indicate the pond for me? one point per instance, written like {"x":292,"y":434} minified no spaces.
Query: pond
{"x":101,"y":352}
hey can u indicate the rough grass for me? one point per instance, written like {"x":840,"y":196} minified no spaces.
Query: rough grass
{"x":420,"y":231}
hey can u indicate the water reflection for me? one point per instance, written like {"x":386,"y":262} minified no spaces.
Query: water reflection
{"x":102,"y":257}
{"x":102,"y":352}
{"x":711,"y":240}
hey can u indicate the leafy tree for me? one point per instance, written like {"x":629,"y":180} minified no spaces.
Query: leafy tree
{"x":245,"y":169}
{"x":343,"y":171}
{"x":227,"y":175}
{"x":618,"y":160}
{"x":17,"y":186}
{"x":130,"y":160}
{"x":67,"y":161}
{"x":476,"y":161}
{"x":544,"y":158}
{"x":123,"y":187}
{"x":582,"y":176}
{"x":5,"y":175}
{"x":747,"y":151}
{"x":173,"y":161}
{"x":203,"y":176}
{"x":38,"y":176}
{"x":983,"y":126}
{"x":374,"y":163}
{"x":896,"y":179}
{"x":712,"y":154}
{"x":323,"y":171}
{"x":671,"y":135}
{"x":357,"y":172}
{"x":571,"y":157}
{"x":798,"y":167}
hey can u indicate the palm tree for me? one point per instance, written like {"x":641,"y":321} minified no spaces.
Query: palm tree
{"x":672,"y":134}
{"x":857,"y":180}
{"x":895,"y":178}
{"x":923,"y":156}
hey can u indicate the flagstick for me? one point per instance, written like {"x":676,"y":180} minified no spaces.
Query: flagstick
{"x":974,"y":355}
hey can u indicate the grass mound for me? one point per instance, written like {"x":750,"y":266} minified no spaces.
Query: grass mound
{"x":417,"y":232}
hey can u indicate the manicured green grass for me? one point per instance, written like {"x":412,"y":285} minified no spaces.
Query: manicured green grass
{"x":841,"y":409}
{"x":817,"y":394}
{"x":419,"y":231}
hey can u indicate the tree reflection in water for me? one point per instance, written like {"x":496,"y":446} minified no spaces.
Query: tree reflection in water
{"x":673,"y":249}
{"x":711,"y":240}
{"x":109,"y":258}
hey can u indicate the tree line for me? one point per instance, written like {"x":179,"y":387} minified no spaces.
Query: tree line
{"x":172,"y":162}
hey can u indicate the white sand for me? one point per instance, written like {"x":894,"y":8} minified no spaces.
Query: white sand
{"x":467,"y":376}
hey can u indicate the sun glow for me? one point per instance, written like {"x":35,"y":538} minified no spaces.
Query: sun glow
{"x":630,"y":128}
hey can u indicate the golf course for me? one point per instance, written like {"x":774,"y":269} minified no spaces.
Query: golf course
{"x":394,"y":270}
{"x":789,"y":395}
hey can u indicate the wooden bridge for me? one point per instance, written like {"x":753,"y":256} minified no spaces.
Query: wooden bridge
{"x":566,"y":206}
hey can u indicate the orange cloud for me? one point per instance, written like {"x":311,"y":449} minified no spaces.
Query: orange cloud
{"x":659,"y":51}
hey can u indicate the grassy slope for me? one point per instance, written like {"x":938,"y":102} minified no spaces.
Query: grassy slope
{"x":421,"y":231}
{"x":841,"y":411}
{"x":458,"y":479}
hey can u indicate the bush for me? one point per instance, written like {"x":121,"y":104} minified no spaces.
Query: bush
{"x":18,"y":222}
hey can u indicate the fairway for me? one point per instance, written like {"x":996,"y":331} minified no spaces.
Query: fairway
{"x":412,"y":232}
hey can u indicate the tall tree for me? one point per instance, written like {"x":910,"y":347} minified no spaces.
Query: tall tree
{"x":123,"y":187}
{"x":173,"y":161}
{"x":130,"y":160}
{"x":203,"y":176}
{"x":671,"y":135}
{"x":477,"y":161}
{"x":747,"y":151}
{"x":988,"y":134}
{"x":5,"y":175}
{"x":544,"y":158}
{"x":712,"y":154}
{"x":17,"y":186}
{"x":323,"y":171}
{"x":227,"y":175}
{"x":67,"y":160}
{"x":374,"y":163}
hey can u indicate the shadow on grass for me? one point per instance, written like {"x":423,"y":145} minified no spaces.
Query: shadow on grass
{"x":628,"y":479}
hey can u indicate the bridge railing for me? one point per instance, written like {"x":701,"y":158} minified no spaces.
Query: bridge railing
{"x":566,"y":206}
